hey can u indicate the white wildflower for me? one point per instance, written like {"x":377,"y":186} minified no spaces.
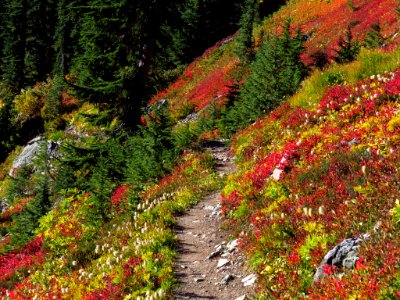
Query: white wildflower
{"x":309,"y":212}
{"x":321,"y":210}
{"x":364,"y":169}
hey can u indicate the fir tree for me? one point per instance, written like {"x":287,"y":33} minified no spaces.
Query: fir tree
{"x":374,"y":38}
{"x":25,"y":223}
{"x":151,"y":150}
{"x":245,"y":38}
{"x":276,"y":72}
{"x":348,"y":48}
{"x":116,"y":48}
{"x":14,"y":43}
{"x":39,"y":52}
{"x":8,"y":130}
{"x":27,"y":42}
{"x":35,"y":184}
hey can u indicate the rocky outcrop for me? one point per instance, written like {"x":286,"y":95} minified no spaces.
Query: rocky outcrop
{"x":30,"y":152}
{"x":343,"y":256}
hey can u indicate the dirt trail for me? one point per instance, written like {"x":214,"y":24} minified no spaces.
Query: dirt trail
{"x":204,"y":245}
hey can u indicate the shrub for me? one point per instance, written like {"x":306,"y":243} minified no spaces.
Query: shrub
{"x":320,"y":59}
{"x":30,"y":101}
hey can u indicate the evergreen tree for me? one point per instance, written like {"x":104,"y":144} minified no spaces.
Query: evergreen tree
{"x":245,"y":38}
{"x":14,"y":43}
{"x":39,"y":52}
{"x":276,"y":72}
{"x":35,"y":184}
{"x":150,"y":151}
{"x":374,"y":38}
{"x":348,"y":49}
{"x":27,"y":41}
{"x":116,"y":44}
{"x":107,"y":173}
{"x":7,"y":127}
{"x":24,"y":223}
{"x":125,"y":48}
{"x":97,"y":166}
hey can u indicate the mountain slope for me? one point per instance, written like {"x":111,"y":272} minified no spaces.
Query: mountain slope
{"x":319,"y":170}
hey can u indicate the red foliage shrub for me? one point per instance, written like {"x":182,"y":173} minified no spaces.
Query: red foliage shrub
{"x":26,"y":258}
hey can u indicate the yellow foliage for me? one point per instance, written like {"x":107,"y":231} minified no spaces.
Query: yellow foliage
{"x":313,"y":227}
{"x":394,"y":123}
{"x":28,"y":103}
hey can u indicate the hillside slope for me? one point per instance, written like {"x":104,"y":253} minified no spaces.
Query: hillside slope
{"x":316,"y":174}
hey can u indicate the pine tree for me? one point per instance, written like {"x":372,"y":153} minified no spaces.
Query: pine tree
{"x":35,"y":184}
{"x":116,"y":44}
{"x":276,"y":72}
{"x":39,"y":52}
{"x":245,"y":39}
{"x":374,"y":38}
{"x":25,"y":223}
{"x":151,"y":150}
{"x":348,"y":49}
{"x":106,"y":174}
{"x":27,"y":42}
{"x":8,"y":131}
{"x":14,"y":43}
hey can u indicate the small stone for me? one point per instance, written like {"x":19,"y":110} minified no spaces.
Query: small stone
{"x":216,"y":211}
{"x":232,"y":245}
{"x":227,"y":279}
{"x":223,"y":262}
{"x":214,"y":254}
{"x":183,"y":266}
{"x":198,"y":279}
{"x":249,"y":280}
{"x":243,"y":297}
{"x":276,"y":174}
{"x":219,"y":247}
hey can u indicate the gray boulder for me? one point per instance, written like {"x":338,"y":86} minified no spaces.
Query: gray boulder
{"x":30,"y":152}
{"x":342,"y":256}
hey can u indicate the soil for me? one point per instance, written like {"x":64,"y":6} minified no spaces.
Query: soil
{"x":201,"y":232}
